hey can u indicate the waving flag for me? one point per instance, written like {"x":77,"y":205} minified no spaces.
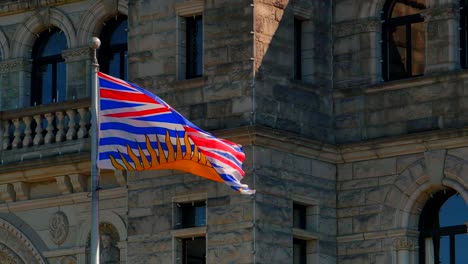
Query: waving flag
{"x":139,"y":131}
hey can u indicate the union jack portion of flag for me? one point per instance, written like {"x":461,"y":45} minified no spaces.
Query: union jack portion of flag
{"x":139,"y":131}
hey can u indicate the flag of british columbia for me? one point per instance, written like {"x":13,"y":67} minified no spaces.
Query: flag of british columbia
{"x":139,"y":131}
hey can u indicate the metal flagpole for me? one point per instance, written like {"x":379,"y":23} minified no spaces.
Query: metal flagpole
{"x":94,"y":44}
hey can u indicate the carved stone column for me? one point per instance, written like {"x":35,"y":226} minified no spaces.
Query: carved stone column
{"x":403,"y":246}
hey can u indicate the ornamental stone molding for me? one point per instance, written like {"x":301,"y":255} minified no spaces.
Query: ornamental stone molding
{"x":4,"y":46}
{"x":8,"y":256}
{"x":27,"y":32}
{"x":445,"y":12}
{"x":12,"y":7}
{"x":78,"y":54}
{"x":403,"y":243}
{"x":356,"y":27}
{"x":15,"y":65}
{"x":58,"y":227}
{"x":23,"y":246}
{"x":92,"y":21}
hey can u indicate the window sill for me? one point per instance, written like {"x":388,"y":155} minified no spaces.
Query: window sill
{"x":304,"y":234}
{"x":189,"y":232}
{"x":189,"y":83}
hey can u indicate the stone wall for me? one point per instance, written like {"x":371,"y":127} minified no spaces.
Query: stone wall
{"x":304,"y":107}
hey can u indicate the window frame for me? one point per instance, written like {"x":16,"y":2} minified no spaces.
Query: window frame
{"x":193,"y":58}
{"x":180,"y":233}
{"x":429,"y":226}
{"x":39,"y":61}
{"x":388,"y":23}
{"x":108,"y":49}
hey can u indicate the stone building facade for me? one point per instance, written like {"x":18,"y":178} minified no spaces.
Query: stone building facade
{"x":344,"y":151}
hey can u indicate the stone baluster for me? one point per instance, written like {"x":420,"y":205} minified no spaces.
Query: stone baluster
{"x":49,"y":137}
{"x":60,"y":136}
{"x":17,"y":139}
{"x":6,"y":135}
{"x":38,"y":138}
{"x":71,"y":133}
{"x":82,"y":132}
{"x":27,"y":140}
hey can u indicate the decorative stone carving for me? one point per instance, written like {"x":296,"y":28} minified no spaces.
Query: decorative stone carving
{"x":7,"y":193}
{"x":8,"y":256}
{"x":403,"y":244}
{"x":21,"y":190}
{"x":15,"y":65}
{"x":441,"y":13}
{"x":68,"y":260}
{"x":77,"y":54}
{"x":58,"y":227}
{"x":64,"y":184}
{"x":109,"y":253}
{"x":356,"y":27}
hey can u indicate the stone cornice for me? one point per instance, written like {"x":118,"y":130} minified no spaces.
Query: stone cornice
{"x":15,"y":65}
{"x":378,"y":235}
{"x":356,"y":26}
{"x":444,"y":12}
{"x":79,"y":163}
{"x":402,"y":84}
{"x":13,"y":7}
{"x":78,"y":54}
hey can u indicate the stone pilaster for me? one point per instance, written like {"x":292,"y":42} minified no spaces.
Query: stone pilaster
{"x":442,"y":38}
{"x":15,"y":77}
{"x":78,"y":72}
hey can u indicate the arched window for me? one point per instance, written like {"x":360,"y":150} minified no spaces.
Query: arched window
{"x":443,"y":231}
{"x":464,"y":34}
{"x":48,"y":82}
{"x":113,"y":50}
{"x":403,"y":39}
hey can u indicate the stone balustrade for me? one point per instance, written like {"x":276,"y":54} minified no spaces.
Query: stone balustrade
{"x":45,"y":124}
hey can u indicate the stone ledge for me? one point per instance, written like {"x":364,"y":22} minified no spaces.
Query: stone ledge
{"x":63,"y":252}
{"x":304,"y":234}
{"x":377,"y":235}
{"x":189,"y":232}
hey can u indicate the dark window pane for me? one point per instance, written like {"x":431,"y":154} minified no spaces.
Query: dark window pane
{"x":444,"y":250}
{"x":299,"y":216}
{"x":297,"y":49}
{"x":53,"y":44}
{"x":194,"y":250}
{"x":461,"y":246}
{"x":112,"y":53}
{"x":403,"y":45}
{"x":299,"y":251}
{"x":61,"y":82}
{"x":46,"y":81}
{"x":405,"y":8}
{"x":397,"y":52}
{"x":454,"y":212}
{"x":194,"y":46}
{"x":192,"y":215}
{"x":418,"y":41}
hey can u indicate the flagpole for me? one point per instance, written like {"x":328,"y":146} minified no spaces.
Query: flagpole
{"x":94,"y":44}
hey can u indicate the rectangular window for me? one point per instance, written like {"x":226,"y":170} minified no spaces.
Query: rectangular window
{"x":192,"y":214}
{"x":191,"y":250}
{"x":194,"y":46}
{"x":305,"y":216}
{"x":299,"y":251}
{"x":299,"y":216}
